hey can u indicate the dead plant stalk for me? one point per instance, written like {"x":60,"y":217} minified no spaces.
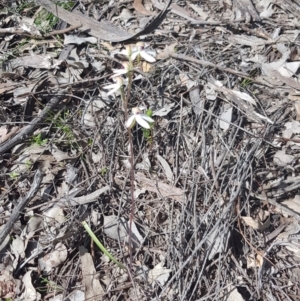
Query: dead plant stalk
{"x":131,"y":167}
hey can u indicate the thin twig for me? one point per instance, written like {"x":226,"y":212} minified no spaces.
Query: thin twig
{"x":62,"y":31}
{"x":219,"y":67}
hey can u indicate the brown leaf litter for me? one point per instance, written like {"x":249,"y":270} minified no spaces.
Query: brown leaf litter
{"x":214,"y":205}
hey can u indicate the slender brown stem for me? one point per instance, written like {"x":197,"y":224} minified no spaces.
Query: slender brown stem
{"x":125,"y":101}
{"x":132,"y":194}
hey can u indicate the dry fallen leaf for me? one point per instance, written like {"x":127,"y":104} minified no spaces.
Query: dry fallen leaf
{"x":30,"y":294}
{"x":55,"y":214}
{"x":293,"y":204}
{"x":138,"y":6}
{"x":118,"y":228}
{"x":162,"y":189}
{"x":287,"y":236}
{"x":297,"y":107}
{"x":260,"y":223}
{"x":217,"y":241}
{"x":146,"y":67}
{"x":7,"y":285}
{"x":93,"y":289}
{"x":282,"y":159}
{"x":18,"y":248}
{"x":226,"y":118}
{"x":159,"y":274}
{"x":3,"y":131}
{"x":168,"y":50}
{"x":233,"y":294}
{"x":163,"y":111}
{"x":166,"y":167}
{"x":54,"y":258}
{"x":77,"y":295}
{"x":254,"y":261}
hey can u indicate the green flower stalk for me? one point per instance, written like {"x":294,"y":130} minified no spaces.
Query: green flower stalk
{"x":100,"y":246}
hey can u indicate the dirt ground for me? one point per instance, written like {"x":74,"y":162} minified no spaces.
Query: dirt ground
{"x":193,"y":194}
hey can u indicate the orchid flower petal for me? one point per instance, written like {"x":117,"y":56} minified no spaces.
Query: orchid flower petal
{"x":118,"y":72}
{"x":147,"y":57}
{"x":147,"y":118}
{"x":108,"y":87}
{"x":143,"y":123}
{"x":115,"y":89}
{"x":131,"y":121}
{"x":134,"y":55}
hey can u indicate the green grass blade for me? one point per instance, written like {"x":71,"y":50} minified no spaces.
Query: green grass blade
{"x":100,"y":246}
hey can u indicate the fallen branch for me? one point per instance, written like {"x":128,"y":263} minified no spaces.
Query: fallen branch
{"x":21,"y":205}
{"x":29,"y":129}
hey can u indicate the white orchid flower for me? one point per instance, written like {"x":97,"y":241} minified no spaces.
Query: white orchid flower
{"x":126,"y":69}
{"x":142,"y":119}
{"x":146,"y":54}
{"x":114,"y":87}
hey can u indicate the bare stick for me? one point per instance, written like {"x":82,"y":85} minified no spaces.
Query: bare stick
{"x":30,"y":128}
{"x":62,"y":31}
{"x":219,"y":67}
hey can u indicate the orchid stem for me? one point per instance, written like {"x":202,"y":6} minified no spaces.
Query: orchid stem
{"x":125,"y":105}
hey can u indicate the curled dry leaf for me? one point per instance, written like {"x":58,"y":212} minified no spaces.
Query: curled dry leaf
{"x":261,"y":222}
{"x":166,"y":167}
{"x":244,"y":96}
{"x":166,"y":53}
{"x":77,"y":295}
{"x":7,"y":285}
{"x":164,"y":111}
{"x":3,"y":131}
{"x":233,"y":294}
{"x":54,"y":214}
{"x":254,"y":261}
{"x":18,"y":248}
{"x":118,"y":228}
{"x":282,"y":159}
{"x":226,"y":119}
{"x":81,"y":200}
{"x":159,"y":274}
{"x":291,"y":128}
{"x":93,"y":288}
{"x":30,"y":294}
{"x":54,"y":258}
{"x":138,"y":6}
{"x":162,"y":189}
